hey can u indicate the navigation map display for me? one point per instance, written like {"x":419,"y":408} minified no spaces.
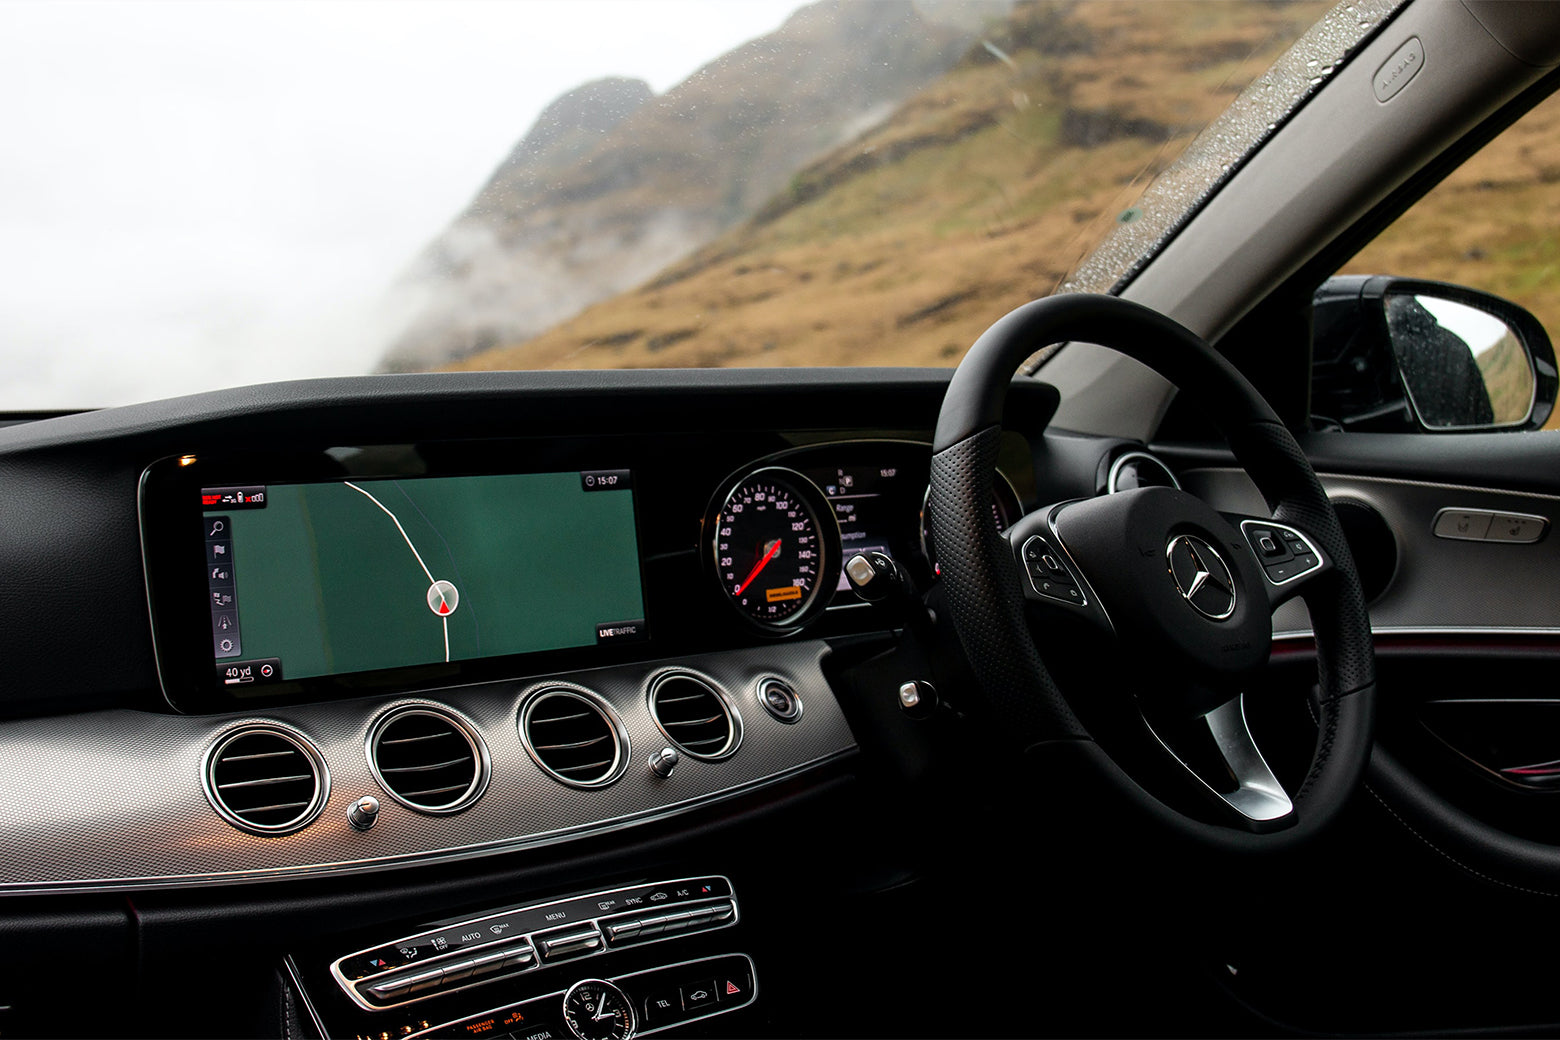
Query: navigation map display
{"x":322,"y":579}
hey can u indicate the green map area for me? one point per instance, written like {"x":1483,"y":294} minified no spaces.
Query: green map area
{"x":336,"y":577}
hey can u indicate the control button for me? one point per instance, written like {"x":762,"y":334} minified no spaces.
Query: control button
{"x":722,"y":911}
{"x":1306,"y":562}
{"x":698,"y":994}
{"x":523,"y":957}
{"x":540,"y":1031}
{"x":377,"y":962}
{"x":1269,"y":545}
{"x":390,"y":990}
{"x":1465,"y":524}
{"x":622,"y":931}
{"x":570,"y":943}
{"x":1516,"y":527}
{"x":734,"y":989}
{"x":699,"y":914}
{"x":676,"y":922}
{"x":423,"y":981}
{"x":780,"y":701}
{"x":664,"y":1006}
{"x":1281,"y":572}
{"x":495,"y":960}
{"x":457,"y":971}
{"x":651,"y":925}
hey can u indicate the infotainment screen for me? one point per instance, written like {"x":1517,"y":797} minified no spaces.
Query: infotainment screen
{"x":321,"y":579}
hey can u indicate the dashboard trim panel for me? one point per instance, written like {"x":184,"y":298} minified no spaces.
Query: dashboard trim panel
{"x":138,"y":775}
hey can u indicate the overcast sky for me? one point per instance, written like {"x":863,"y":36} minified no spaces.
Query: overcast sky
{"x":205,"y":194}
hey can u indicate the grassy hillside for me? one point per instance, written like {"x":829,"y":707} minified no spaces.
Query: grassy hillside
{"x":977,"y":195}
{"x":613,"y":184}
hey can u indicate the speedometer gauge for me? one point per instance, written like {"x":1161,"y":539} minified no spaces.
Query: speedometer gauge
{"x":776,"y":548}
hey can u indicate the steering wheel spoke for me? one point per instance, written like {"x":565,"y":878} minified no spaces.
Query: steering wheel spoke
{"x":1217,"y":749}
{"x":1291,"y":560}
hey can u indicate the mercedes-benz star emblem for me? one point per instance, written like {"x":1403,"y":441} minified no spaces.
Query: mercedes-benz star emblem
{"x":1202,"y":576}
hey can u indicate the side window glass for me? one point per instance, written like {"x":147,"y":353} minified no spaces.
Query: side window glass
{"x":1443,"y":321}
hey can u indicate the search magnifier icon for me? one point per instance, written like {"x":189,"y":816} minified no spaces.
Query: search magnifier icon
{"x":217,"y":527}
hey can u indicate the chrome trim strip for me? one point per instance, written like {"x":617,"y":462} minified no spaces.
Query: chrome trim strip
{"x":366,"y":866}
{"x":297,"y":740}
{"x":303,"y":995}
{"x":1432,"y":630}
{"x":463,"y":726}
{"x":728,"y":704}
{"x":350,"y":987}
{"x":615,"y":980}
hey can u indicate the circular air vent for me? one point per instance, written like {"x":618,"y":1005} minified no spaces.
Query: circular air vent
{"x":428,"y":760}
{"x":694,"y":716}
{"x":266,"y":780}
{"x":574,"y":736}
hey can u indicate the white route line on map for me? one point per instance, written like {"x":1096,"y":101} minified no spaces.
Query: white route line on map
{"x":407,"y":538}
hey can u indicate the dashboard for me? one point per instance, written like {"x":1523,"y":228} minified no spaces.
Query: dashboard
{"x":329,"y":633}
{"x":527,"y":657}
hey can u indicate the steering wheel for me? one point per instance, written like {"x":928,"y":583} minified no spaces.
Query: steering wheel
{"x":1164,"y":574}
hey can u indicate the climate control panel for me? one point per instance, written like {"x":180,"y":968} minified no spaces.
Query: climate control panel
{"x":514,"y":942}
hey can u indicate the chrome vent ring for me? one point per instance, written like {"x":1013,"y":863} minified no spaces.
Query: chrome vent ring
{"x":428,"y":759}
{"x":695,"y":715}
{"x":266,"y":780}
{"x":574,"y":736}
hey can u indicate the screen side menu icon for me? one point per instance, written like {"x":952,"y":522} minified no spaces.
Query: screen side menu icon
{"x":222,"y":590}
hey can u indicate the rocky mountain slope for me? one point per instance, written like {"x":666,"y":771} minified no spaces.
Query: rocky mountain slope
{"x":979,"y":193}
{"x":613,"y":183}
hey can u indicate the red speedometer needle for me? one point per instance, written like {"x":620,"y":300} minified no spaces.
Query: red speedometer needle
{"x":758,"y":567}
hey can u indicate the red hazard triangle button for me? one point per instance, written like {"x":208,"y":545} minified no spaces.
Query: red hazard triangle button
{"x":732,"y":989}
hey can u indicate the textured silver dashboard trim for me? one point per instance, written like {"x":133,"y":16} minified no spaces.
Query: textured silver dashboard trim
{"x":418,"y":859}
{"x":623,"y":749}
{"x":297,"y":740}
{"x":462,"y":725}
{"x":727,"y":702}
{"x":128,"y":774}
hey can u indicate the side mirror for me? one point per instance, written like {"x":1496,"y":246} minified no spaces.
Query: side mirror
{"x":1397,"y":354}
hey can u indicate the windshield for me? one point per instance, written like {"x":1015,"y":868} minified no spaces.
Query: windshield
{"x":204,"y":195}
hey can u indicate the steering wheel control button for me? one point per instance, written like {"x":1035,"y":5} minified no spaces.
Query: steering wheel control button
{"x":780,"y":700}
{"x":1047,"y":574}
{"x":1205,"y":581}
{"x":1299,"y":556}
